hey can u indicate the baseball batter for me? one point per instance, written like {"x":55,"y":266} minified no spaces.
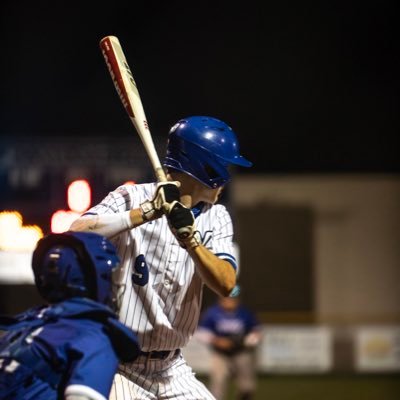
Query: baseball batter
{"x":163,"y":271}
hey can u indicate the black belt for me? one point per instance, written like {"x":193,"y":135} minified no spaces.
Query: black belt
{"x":159,"y":355}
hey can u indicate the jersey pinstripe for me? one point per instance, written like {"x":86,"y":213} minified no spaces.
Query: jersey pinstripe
{"x":163,"y":291}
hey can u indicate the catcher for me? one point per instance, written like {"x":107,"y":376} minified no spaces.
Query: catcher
{"x":71,"y":348}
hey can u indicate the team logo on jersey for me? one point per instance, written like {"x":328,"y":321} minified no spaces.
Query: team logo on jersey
{"x":205,"y":237}
{"x":140,"y":275}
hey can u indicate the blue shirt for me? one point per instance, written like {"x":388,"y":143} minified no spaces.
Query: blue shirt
{"x":234,"y":325}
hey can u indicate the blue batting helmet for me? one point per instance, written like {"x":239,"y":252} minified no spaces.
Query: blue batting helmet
{"x":75,"y":264}
{"x":204,"y":147}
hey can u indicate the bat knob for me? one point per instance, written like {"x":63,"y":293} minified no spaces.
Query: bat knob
{"x":184,"y":233}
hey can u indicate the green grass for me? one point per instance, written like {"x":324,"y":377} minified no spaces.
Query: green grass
{"x":326,"y":387}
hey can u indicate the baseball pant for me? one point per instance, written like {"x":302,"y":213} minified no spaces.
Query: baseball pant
{"x":158,"y":380}
{"x":241,"y":366}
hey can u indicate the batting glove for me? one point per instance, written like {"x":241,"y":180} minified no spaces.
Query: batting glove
{"x":166,"y":193}
{"x":181,"y":222}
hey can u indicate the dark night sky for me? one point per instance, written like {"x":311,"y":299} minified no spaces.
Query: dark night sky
{"x":308,"y":87}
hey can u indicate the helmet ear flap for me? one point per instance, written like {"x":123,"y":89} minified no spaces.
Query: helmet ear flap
{"x":183,"y":155}
{"x":211,"y":172}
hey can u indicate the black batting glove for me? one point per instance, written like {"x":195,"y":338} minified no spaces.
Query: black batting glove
{"x":167,"y":192}
{"x":181,"y":222}
{"x":180,"y":216}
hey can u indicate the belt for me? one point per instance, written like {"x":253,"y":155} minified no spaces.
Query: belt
{"x":159,"y":355}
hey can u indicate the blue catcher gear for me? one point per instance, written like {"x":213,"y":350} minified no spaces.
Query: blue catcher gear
{"x":204,"y":147}
{"x":75,"y":264}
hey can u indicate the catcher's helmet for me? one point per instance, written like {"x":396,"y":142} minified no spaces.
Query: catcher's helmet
{"x":204,"y":147}
{"x":75,"y":264}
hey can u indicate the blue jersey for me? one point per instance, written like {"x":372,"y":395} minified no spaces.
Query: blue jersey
{"x":234,"y":325}
{"x":73,"y":347}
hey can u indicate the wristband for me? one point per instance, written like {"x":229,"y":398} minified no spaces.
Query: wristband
{"x":148,"y":210}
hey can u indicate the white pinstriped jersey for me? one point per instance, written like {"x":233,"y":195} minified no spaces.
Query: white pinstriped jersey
{"x":163,"y":292}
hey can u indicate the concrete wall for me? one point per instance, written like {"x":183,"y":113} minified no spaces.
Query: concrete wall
{"x":356,"y":243}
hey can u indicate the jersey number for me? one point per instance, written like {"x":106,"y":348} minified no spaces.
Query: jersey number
{"x":140,"y":276}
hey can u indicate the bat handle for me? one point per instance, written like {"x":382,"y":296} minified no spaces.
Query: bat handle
{"x":160,"y":174}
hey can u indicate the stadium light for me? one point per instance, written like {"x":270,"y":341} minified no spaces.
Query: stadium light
{"x":79,"y":195}
{"x":61,"y":220}
{"x":14,"y":236}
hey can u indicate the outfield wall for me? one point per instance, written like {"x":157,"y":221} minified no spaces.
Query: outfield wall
{"x":305,"y":349}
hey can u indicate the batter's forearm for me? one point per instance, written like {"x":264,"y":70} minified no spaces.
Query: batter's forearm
{"x":216,"y":273}
{"x":108,"y":225}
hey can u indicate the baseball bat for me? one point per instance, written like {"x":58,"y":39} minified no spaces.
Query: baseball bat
{"x":128,"y":93}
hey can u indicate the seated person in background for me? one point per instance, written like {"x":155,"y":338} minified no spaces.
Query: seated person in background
{"x":232,"y":332}
{"x":69,"y":349}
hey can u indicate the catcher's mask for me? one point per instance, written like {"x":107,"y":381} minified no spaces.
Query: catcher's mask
{"x":204,"y":147}
{"x":74,"y":264}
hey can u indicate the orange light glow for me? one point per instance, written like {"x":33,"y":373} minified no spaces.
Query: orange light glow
{"x":79,"y":195}
{"x":61,"y":220}
{"x":14,"y":236}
